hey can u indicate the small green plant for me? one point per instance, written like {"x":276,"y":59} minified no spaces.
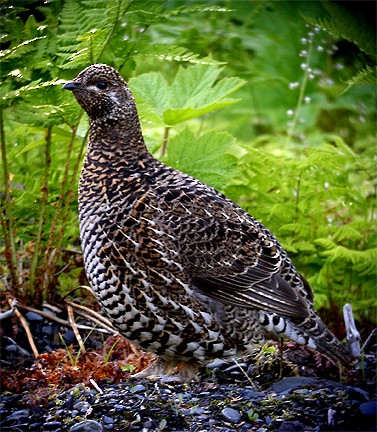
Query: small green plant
{"x":252,"y":415}
{"x":73,"y":360}
{"x":128,"y":368}
{"x":107,"y":354}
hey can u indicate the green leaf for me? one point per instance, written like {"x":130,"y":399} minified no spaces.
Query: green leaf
{"x":193,"y":92}
{"x":366,"y":76}
{"x":205,"y":157}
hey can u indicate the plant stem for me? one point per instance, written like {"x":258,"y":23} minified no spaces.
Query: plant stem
{"x":6,"y":219}
{"x":60,"y":218}
{"x":115,"y":23}
{"x":165,"y":140}
{"x":36,"y":294}
{"x":302,"y":93}
{"x":297,"y":197}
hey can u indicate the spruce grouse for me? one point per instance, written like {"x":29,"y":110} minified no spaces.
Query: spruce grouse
{"x":178,"y":268}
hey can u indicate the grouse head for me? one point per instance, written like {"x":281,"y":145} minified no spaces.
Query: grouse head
{"x":103,"y":94}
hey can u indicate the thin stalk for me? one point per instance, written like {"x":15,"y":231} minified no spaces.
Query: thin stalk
{"x":113,"y":27}
{"x":6,"y":219}
{"x":165,"y":140}
{"x":54,"y":241}
{"x":297,"y":197}
{"x":301,"y":94}
{"x":79,"y":160}
{"x":42,"y":218}
{"x":70,"y":194}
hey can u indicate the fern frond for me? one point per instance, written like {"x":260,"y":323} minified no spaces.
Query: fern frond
{"x":20,"y":49}
{"x":196,"y":8}
{"x":342,"y":24}
{"x":347,"y":232}
{"x":364,"y":77}
{"x":84,"y":29}
{"x":336,"y":252}
{"x":172,"y":53}
{"x":35,"y":85}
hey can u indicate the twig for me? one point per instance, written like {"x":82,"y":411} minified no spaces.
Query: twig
{"x":51,"y":307}
{"x":246,"y":375}
{"x":95,"y":385}
{"x":91,"y":312}
{"x":59,"y":320}
{"x":25,"y":325}
{"x":75,"y":329}
{"x":109,"y":329}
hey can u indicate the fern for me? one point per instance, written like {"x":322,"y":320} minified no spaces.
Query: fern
{"x":364,"y":77}
{"x":343,"y":24}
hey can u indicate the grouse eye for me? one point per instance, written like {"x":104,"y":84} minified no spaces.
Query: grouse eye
{"x":102,"y":85}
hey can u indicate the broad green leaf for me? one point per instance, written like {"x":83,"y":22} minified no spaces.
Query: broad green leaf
{"x":173,"y":117}
{"x":193,"y":92}
{"x":205,"y":157}
{"x":151,"y":91}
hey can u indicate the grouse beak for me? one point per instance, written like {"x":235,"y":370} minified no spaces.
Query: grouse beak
{"x":70,"y":86}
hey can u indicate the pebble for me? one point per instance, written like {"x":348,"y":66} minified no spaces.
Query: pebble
{"x":369,"y":408}
{"x":292,"y":426}
{"x":36,"y":427}
{"x":138,"y":388}
{"x":291,"y":383}
{"x":20,"y":415}
{"x":81,"y":406}
{"x":16,"y":350}
{"x":107,"y":420}
{"x":87,"y":426}
{"x":231,"y":415}
{"x":32,"y":316}
{"x":47,"y":330}
{"x":357,"y":394}
{"x":69,"y":336}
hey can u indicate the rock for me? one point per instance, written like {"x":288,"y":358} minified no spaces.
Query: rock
{"x":16,"y":350}
{"x":107,"y":420}
{"x":292,"y":383}
{"x":81,"y":406}
{"x":20,"y":415}
{"x":37,"y":427}
{"x":231,"y":415}
{"x":218,"y":363}
{"x":69,"y":337}
{"x":47,"y":330}
{"x":32,"y":316}
{"x":368,"y":408}
{"x":357,"y":393}
{"x":292,"y":426}
{"x":87,"y":426}
{"x":138,"y":388}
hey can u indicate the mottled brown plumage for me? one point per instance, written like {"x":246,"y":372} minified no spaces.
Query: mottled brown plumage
{"x":179,"y":269}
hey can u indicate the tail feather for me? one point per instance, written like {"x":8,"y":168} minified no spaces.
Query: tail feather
{"x":311,"y":333}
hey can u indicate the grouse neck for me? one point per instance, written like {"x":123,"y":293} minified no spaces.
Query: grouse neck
{"x":117,"y":142}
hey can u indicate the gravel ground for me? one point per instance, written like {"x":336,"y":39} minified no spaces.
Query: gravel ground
{"x":292,"y":404}
{"x":304,"y":392}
